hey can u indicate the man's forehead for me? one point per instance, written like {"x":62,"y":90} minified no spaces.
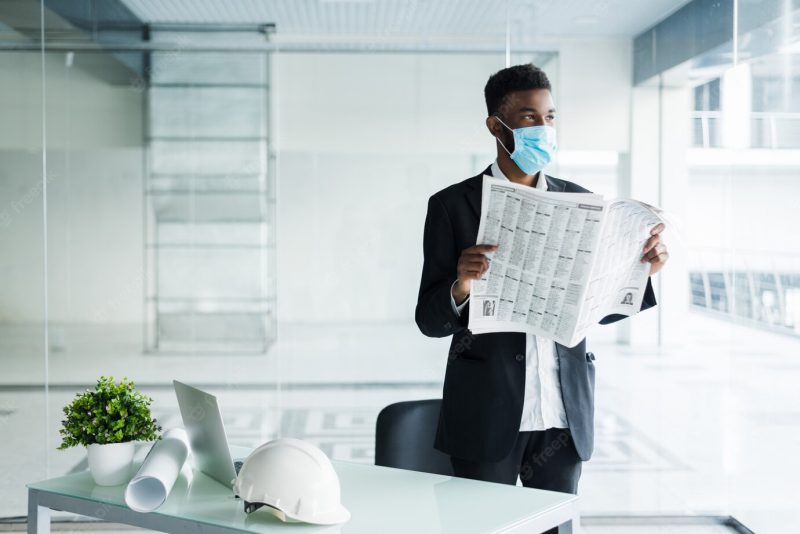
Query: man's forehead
{"x":538,"y":99}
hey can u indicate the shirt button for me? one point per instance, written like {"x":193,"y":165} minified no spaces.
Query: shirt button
{"x":520,"y":357}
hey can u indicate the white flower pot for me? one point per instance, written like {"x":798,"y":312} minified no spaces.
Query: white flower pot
{"x":110,"y":464}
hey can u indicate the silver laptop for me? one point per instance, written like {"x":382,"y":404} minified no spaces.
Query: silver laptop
{"x":202,"y":420}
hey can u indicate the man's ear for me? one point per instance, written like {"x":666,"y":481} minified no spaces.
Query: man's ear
{"x":494,"y":126}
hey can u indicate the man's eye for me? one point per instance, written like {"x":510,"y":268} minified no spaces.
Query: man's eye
{"x":551,"y":117}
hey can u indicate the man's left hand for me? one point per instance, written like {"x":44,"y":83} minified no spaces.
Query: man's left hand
{"x":655,"y":251}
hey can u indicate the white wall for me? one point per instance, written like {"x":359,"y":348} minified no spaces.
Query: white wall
{"x":594,"y":96}
{"x":364,"y":141}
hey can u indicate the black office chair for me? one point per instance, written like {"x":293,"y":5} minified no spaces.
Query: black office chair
{"x":404,"y":436}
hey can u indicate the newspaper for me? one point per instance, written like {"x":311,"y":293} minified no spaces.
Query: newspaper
{"x":563,"y":262}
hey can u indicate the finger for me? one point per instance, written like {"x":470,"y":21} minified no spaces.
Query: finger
{"x":649,"y":256}
{"x":657,"y":229}
{"x":654,"y":256}
{"x":474,"y":257}
{"x":659,"y":259}
{"x":480,"y":263}
{"x":475,"y":267}
{"x":469,"y":275}
{"x":480,"y":249}
{"x":476,"y":264}
{"x":651,"y":242}
{"x":654,"y":243}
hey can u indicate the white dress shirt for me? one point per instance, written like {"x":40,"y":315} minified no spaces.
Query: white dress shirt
{"x":543,"y":406}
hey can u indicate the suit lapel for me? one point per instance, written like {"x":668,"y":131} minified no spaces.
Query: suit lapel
{"x":474,"y":195}
{"x":554,"y":184}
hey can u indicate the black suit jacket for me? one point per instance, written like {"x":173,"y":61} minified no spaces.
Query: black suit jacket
{"x":484,"y":382}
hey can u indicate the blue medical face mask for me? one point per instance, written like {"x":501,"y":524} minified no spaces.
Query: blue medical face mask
{"x":534,"y":147}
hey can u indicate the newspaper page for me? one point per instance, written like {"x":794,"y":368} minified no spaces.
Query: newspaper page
{"x":619,"y":279}
{"x":564,"y":261}
{"x":540,"y":270}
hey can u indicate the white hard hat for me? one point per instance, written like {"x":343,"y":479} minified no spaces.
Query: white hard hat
{"x":296,"y":479}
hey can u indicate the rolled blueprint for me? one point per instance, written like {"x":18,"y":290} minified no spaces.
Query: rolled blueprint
{"x":151,"y":485}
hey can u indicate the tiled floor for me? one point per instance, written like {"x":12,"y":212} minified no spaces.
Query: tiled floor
{"x":708,"y":427}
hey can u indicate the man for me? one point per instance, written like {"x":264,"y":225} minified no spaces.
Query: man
{"x":513,"y":404}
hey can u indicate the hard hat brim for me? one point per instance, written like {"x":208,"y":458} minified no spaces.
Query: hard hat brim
{"x":333,"y":517}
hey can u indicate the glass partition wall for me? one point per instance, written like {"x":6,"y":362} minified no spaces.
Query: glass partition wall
{"x":210,"y":201}
{"x":164,"y":148}
{"x":209,"y":195}
{"x":24,"y":409}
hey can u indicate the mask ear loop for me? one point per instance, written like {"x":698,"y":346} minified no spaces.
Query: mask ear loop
{"x":498,"y":139}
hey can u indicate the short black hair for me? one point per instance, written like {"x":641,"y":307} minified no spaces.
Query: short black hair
{"x":508,"y":80}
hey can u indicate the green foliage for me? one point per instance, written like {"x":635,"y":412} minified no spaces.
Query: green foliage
{"x":113,"y":413}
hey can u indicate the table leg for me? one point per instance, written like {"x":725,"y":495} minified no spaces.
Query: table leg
{"x":38,"y":516}
{"x":572,"y":526}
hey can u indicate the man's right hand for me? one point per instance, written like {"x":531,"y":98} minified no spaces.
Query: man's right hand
{"x":471,"y":266}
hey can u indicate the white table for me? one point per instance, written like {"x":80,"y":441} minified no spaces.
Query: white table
{"x":381,"y":500}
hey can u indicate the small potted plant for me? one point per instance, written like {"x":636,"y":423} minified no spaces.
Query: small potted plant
{"x":108,"y":421}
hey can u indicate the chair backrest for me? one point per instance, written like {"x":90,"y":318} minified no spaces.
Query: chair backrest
{"x":404,"y":435}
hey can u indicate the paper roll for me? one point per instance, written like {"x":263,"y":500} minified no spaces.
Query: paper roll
{"x":151,"y":485}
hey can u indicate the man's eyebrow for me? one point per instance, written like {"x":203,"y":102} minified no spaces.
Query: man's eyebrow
{"x":551,"y":110}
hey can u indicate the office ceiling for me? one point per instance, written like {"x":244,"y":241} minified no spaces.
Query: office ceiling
{"x":456,"y":18}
